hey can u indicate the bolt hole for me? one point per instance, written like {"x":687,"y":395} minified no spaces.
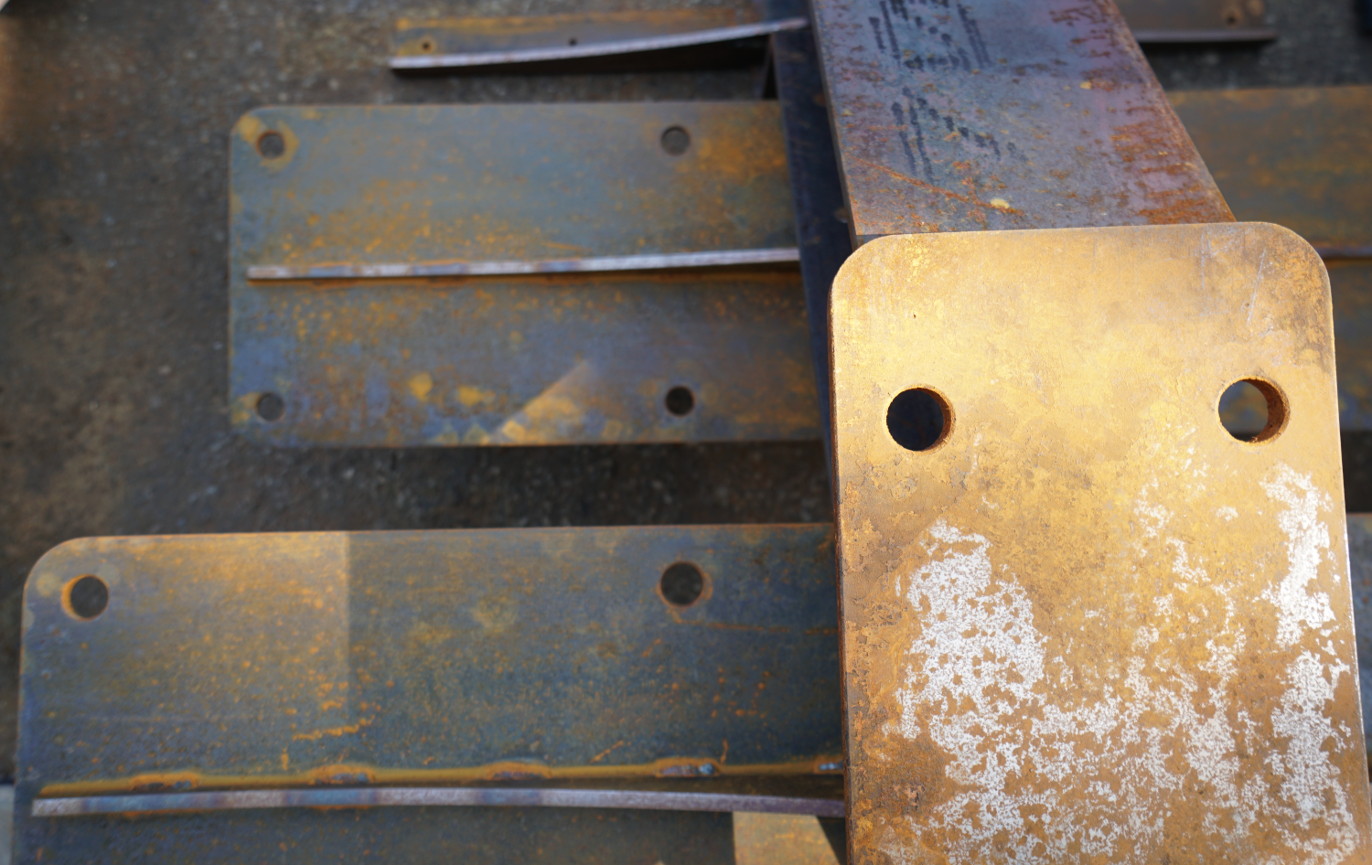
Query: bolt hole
{"x":271,"y":145}
{"x":571,"y":41}
{"x":85,"y":597}
{"x":1252,"y":410}
{"x":675,"y":140}
{"x":270,"y":407}
{"x":427,"y":46}
{"x":919,"y":419}
{"x":682,"y":584}
{"x":1231,"y":18}
{"x":680,"y":401}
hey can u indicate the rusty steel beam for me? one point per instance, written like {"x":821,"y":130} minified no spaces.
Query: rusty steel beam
{"x":333,"y":667}
{"x":357,"y":318}
{"x":964,"y":115}
{"x":1082,"y":621}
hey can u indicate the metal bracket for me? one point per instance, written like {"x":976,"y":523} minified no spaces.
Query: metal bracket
{"x":215,"y":674}
{"x":1081,"y":620}
{"x":360,"y":317}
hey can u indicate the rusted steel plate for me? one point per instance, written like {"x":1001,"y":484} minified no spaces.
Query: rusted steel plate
{"x":226,"y":663}
{"x":1002,"y":114}
{"x":518,"y":359}
{"x":1198,"y":20}
{"x":1300,"y":157}
{"x":1088,"y":624}
{"x":468,"y":42}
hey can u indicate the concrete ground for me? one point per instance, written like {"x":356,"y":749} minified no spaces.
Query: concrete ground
{"x":114,"y":116}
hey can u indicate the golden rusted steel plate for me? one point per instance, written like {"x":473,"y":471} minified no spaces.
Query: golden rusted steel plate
{"x":1088,"y":624}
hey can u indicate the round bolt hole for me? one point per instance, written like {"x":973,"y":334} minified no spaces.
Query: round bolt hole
{"x":1231,"y":18}
{"x":271,"y":145}
{"x":675,"y":140}
{"x":680,"y":401}
{"x":427,"y":46}
{"x":85,"y":597}
{"x":571,"y":42}
{"x":270,"y":407}
{"x":919,"y":419}
{"x":1253,"y":410}
{"x":682,"y":584}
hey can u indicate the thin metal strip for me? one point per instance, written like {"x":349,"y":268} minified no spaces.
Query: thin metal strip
{"x":1089,"y":623}
{"x":427,"y":797}
{"x":521,"y":358}
{"x":589,"y":264}
{"x":1001,"y":114}
{"x":575,"y":50}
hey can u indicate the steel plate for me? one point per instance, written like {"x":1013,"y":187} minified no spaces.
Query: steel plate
{"x":1197,"y":20}
{"x":226,"y":663}
{"x":546,"y":359}
{"x":468,"y":42}
{"x":1000,"y":114}
{"x":1090,"y":625}
{"x":1300,"y":157}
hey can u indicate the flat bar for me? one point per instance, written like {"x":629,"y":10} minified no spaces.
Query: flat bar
{"x":476,"y":42}
{"x":604,"y":264}
{"x":364,"y":343}
{"x":1188,"y":21}
{"x":426,"y":797}
{"x":1300,"y":157}
{"x":1087,"y":623}
{"x":1001,"y":114}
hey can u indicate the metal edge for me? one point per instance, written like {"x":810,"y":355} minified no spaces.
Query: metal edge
{"x":601,"y":49}
{"x":600,"y":264}
{"x":651,"y":800}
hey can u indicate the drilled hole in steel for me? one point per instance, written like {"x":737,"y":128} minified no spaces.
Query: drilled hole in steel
{"x":1253,"y":410}
{"x":427,"y":46}
{"x":919,"y":419}
{"x":571,"y":41}
{"x":85,"y":597}
{"x":682,"y":584}
{"x":271,"y":145}
{"x":680,"y":401}
{"x":270,"y":407}
{"x":1231,"y":18}
{"x":675,"y":140}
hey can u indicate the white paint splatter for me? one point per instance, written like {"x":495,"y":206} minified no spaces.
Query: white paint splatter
{"x":1098,"y":772}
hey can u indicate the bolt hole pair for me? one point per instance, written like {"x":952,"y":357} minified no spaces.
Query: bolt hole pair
{"x":1251,"y":410}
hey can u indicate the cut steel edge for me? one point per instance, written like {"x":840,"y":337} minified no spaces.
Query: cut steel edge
{"x":148,"y":803}
{"x":594,"y":264}
{"x":1158,"y":36}
{"x":598,"y":49}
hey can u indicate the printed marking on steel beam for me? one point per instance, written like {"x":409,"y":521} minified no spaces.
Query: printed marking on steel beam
{"x":996,"y":114}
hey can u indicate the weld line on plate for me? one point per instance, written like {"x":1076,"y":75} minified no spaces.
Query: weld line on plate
{"x":144,"y":803}
{"x":598,"y":49}
{"x":663,"y":261}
